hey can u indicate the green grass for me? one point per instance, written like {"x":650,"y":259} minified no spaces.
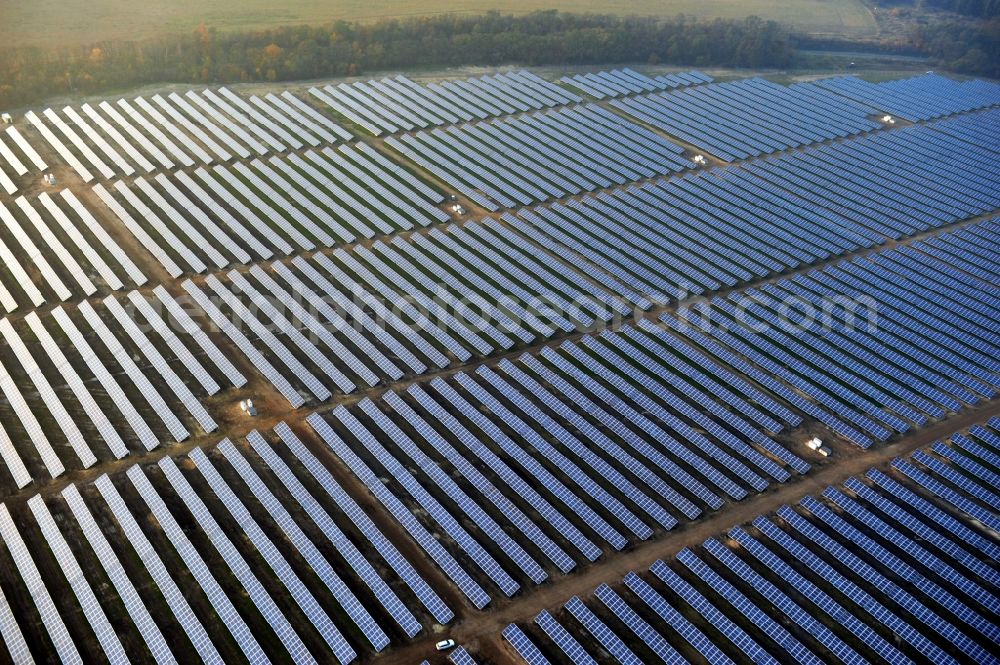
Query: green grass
{"x":81,"y":22}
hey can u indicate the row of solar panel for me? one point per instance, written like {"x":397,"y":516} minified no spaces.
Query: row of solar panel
{"x":668,"y":240}
{"x":541,"y":155}
{"x":618,"y":82}
{"x":372,"y":314}
{"x":398,"y":104}
{"x":751,"y":117}
{"x":977,"y":129}
{"x":13,"y":162}
{"x":80,"y":229}
{"x":876,"y":571}
{"x":117,"y":414}
{"x":329,"y":573}
{"x":647,"y":468}
{"x":401,"y":283}
{"x":917,"y":98}
{"x":967,"y":249}
{"x":245,"y":213}
{"x":881,"y":344}
{"x":205,"y":128}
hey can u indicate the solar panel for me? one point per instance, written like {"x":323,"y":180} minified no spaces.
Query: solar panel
{"x":567,"y":468}
{"x":182,"y":223}
{"x":550,"y":482}
{"x":338,"y":322}
{"x":160,"y":364}
{"x":95,"y":259}
{"x":461,"y":657}
{"x":127,"y":146}
{"x":26,"y":148}
{"x":153,"y":131}
{"x":649,"y":635}
{"x":6,"y":298}
{"x":328,"y":203}
{"x":32,"y":427}
{"x":275,"y":560}
{"x":151,"y":218}
{"x":207,"y":223}
{"x":731,"y":631}
{"x":289,"y":121}
{"x":33,"y":253}
{"x":138,"y":137}
{"x":253,"y":114}
{"x":225,"y":121}
{"x":887,"y":531}
{"x":608,"y":639}
{"x":99,"y":141}
{"x":7,"y":183}
{"x":241,"y":633}
{"x":153,"y":564}
{"x":62,"y":641}
{"x":305,"y":204}
{"x":383,"y":312}
{"x":441,"y":612}
{"x":481,"y":483}
{"x":582,"y":425}
{"x":467,"y":505}
{"x":476,"y":446}
{"x":779,"y":599}
{"x":188,"y":126}
{"x":277,"y":379}
{"x":322,"y":519}
{"x":53,"y":242}
{"x":79,"y":389}
{"x":316,"y":116}
{"x":59,"y":147}
{"x":232,"y":144}
{"x":123,"y":586}
{"x":431,"y":546}
{"x":11,"y":634}
{"x":12,"y":460}
{"x":655,"y":602}
{"x":92,"y":610}
{"x":483,"y":559}
{"x":317,"y":329}
{"x":180,"y":351}
{"x":269,"y":339}
{"x":857,"y":595}
{"x":45,"y":391}
{"x":240,"y":118}
{"x":146,"y":388}
{"x":885,"y":586}
{"x":523,"y":645}
{"x":348,"y":601}
{"x":138,"y":231}
{"x":246,"y":214}
{"x":560,"y":636}
{"x":107,"y":381}
{"x":932,"y":512}
{"x":330,"y":292}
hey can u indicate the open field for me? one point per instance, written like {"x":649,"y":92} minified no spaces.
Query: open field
{"x":52,"y":23}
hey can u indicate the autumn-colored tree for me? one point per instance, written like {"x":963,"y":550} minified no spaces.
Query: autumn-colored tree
{"x":202,"y":35}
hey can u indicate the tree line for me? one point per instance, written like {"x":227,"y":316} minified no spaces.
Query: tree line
{"x":962,"y":46}
{"x":208,"y":56}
